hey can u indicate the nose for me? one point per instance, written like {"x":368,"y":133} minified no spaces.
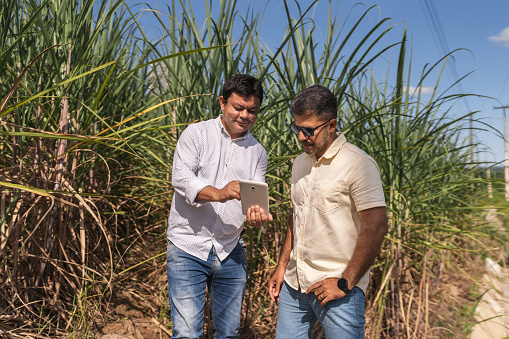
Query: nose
{"x":301,"y":136}
{"x":244,"y":114}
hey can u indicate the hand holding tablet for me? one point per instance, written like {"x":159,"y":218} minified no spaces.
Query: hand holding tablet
{"x":254,"y":193}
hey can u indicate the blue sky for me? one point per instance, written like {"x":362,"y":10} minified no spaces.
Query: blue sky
{"x":481,"y":28}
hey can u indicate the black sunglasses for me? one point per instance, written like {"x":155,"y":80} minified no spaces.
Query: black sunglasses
{"x":308,"y":131}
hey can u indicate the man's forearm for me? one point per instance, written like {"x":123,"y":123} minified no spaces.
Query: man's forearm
{"x":368,"y":244}
{"x":208,"y":193}
{"x":284,"y":257}
{"x":228,"y":192}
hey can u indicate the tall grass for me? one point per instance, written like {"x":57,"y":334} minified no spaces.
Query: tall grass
{"x":69,"y":73}
{"x":92,"y":106}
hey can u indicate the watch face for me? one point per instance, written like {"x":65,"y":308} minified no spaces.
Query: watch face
{"x":343,"y":284}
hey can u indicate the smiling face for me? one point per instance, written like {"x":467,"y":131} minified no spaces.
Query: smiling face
{"x":239,"y":113}
{"x":323,"y":136}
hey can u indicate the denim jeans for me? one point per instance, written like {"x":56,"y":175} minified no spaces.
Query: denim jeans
{"x":340,"y":318}
{"x":188,"y":277}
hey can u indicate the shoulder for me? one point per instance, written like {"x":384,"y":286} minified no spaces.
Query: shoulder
{"x":301,"y":158}
{"x":356,"y":156}
{"x":253,"y":142}
{"x":204,"y":125}
{"x":301,"y":163}
{"x":200,"y":128}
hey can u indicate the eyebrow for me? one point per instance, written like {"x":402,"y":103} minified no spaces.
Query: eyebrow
{"x":246,"y":107}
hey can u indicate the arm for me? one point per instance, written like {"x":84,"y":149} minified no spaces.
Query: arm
{"x":278,"y":277}
{"x":186,"y":162}
{"x":368,"y":245}
{"x":365,"y":252}
{"x":228,"y":192}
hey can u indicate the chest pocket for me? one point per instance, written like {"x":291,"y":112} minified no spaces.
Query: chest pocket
{"x":327,"y":195}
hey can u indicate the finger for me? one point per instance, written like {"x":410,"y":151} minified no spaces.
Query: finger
{"x":272,"y":291}
{"x":313,"y":287}
{"x":263,"y":217}
{"x":259,"y":216}
{"x":278,"y":287}
{"x":325,"y":300}
{"x":248,"y":215}
{"x":277,"y":291}
{"x":236,"y":195}
{"x":270,"y":217}
{"x":319,"y":295}
{"x":253,"y":217}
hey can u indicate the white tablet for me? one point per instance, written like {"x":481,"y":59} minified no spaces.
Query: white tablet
{"x":254,"y":193}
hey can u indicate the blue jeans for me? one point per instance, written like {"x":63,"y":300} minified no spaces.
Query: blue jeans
{"x":340,"y":318}
{"x":188,"y":277}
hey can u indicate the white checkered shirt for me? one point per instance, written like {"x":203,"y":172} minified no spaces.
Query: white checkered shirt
{"x":206,"y":156}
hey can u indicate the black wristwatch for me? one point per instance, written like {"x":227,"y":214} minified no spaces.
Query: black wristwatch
{"x":343,"y":285}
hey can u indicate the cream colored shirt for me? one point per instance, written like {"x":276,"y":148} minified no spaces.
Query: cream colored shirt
{"x":327,"y":194}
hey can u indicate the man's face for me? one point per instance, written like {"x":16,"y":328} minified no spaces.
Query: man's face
{"x":239,"y":113}
{"x":322,"y":137}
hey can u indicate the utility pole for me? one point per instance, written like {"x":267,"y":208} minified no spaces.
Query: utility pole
{"x":488,"y":175}
{"x":506,"y":154}
{"x":471,"y":125}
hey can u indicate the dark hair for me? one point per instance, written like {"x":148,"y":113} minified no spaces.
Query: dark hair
{"x":317,"y":100}
{"x":243,"y":85}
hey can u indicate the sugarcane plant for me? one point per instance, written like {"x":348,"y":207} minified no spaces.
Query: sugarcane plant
{"x":92,"y":105}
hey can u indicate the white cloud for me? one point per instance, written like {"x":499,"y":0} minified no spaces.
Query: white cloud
{"x":501,"y":38}
{"x":424,"y":90}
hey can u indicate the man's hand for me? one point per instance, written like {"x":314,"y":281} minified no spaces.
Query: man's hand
{"x":326,"y":290}
{"x":256,"y":217}
{"x":229,"y":192}
{"x":275,"y":283}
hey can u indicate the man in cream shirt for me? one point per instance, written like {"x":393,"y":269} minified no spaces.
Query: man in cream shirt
{"x":338,"y":225}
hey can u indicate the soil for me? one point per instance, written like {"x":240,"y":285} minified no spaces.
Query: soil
{"x":138,"y":314}
{"x":137,"y":305}
{"x":140,"y":311}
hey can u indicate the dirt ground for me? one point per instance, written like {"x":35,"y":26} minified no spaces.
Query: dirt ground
{"x":134,"y":327}
{"x":133,"y":314}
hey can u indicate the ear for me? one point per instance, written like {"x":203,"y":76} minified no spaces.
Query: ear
{"x":222,"y":103}
{"x":332,"y":125}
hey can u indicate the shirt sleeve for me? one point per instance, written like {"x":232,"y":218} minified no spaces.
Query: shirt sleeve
{"x":366,"y":187}
{"x":186,"y":160}
{"x":261,"y":166}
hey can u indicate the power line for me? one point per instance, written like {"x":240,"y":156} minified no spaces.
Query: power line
{"x":433,"y":18}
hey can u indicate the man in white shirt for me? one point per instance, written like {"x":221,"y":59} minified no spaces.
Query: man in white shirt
{"x":205,"y":247}
{"x":336,"y":230}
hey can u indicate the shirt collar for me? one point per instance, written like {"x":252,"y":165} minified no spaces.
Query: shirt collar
{"x":333,"y":148}
{"x":225,"y":132}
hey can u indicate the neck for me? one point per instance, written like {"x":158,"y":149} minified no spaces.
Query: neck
{"x":332,"y":137}
{"x":232,"y":134}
